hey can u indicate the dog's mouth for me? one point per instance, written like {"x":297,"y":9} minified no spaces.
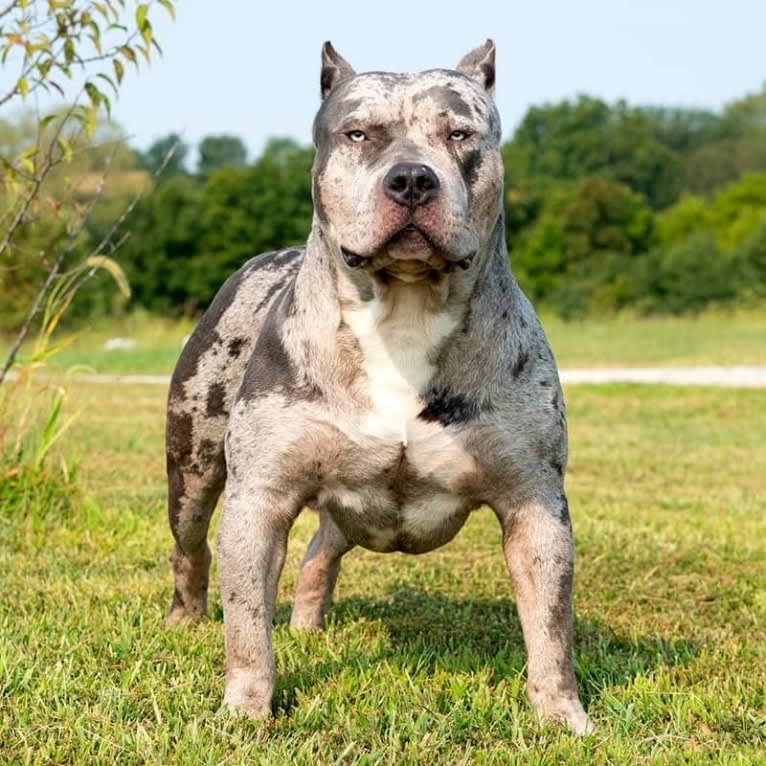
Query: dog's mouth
{"x":409,"y":254}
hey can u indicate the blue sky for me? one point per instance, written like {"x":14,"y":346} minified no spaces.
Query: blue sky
{"x":252,"y":68}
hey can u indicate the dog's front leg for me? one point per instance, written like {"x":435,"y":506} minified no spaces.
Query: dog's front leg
{"x":251,"y":547}
{"x":539,"y":552}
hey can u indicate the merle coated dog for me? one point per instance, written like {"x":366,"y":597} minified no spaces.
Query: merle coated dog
{"x":390,"y":375}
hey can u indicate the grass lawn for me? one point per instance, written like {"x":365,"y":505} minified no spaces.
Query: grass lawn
{"x":423,"y":660}
{"x":677,"y":341}
{"x":712,"y":338}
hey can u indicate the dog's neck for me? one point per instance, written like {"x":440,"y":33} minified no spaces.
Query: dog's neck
{"x":332,"y":300}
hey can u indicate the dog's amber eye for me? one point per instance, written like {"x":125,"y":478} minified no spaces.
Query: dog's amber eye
{"x":357,"y":136}
{"x":458,"y":135}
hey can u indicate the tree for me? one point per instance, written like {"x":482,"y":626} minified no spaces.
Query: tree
{"x":168,"y":153}
{"x":220,"y":152}
{"x":163,"y":248}
{"x":246,"y":211}
{"x":577,"y":254}
{"x":684,"y":130}
{"x":188,"y":237}
{"x":739,"y":147}
{"x":572,"y":140}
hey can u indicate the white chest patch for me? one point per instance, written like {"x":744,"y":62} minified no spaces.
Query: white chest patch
{"x":399,"y":340}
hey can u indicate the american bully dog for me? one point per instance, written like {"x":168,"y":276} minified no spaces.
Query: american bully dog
{"x":390,"y":375}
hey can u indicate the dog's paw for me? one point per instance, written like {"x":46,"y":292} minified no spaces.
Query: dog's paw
{"x":578,"y":722}
{"x":563,"y":709}
{"x":306,"y":620}
{"x":179,"y":616}
{"x":248,"y":695}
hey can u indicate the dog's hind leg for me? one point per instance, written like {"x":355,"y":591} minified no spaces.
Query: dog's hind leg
{"x":196,"y":476}
{"x":318,"y":574}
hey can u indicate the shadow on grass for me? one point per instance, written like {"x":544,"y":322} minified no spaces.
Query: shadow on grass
{"x":432,"y":631}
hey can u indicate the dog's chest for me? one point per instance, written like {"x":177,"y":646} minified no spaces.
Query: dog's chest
{"x":399,"y":342}
{"x":403,"y":494}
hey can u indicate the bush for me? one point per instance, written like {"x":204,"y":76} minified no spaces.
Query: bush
{"x":188,"y":236}
{"x":751,"y":255}
{"x":577,"y":256}
{"x":688,"y":276}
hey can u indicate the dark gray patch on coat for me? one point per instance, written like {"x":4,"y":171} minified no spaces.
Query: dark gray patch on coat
{"x":446,"y":97}
{"x":489,"y":75}
{"x":235,"y":346}
{"x":276,"y":260}
{"x":333,"y":110}
{"x":215,"y":403}
{"x":316,"y":194}
{"x":521,"y":362}
{"x":201,"y":341}
{"x":470,"y":166}
{"x":560,"y":616}
{"x":558,"y":406}
{"x":271,"y":368}
{"x":178,"y":433}
{"x":448,"y":407}
{"x":286,"y":256}
{"x":274,"y":288}
{"x":176,"y":489}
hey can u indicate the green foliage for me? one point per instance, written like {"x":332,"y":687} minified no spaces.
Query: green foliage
{"x":580,"y":245}
{"x":752,"y":253}
{"x":739,"y":211}
{"x":35,"y":499}
{"x":163,"y":245}
{"x":577,"y":253}
{"x":606,"y":209}
{"x":684,"y":130}
{"x":33,"y":491}
{"x":220,"y":152}
{"x":169,"y":151}
{"x":738,"y":147}
{"x":53,"y":173}
{"x":572,"y":140}
{"x":687,"y":276}
{"x":188,"y":236}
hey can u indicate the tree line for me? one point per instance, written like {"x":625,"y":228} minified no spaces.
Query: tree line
{"x":608,"y":208}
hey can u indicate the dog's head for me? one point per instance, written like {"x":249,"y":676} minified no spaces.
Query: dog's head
{"x":408,"y":175}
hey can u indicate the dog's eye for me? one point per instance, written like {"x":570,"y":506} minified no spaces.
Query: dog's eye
{"x":459,"y":135}
{"x":357,"y":136}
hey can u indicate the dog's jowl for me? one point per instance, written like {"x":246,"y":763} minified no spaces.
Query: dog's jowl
{"x":390,"y":375}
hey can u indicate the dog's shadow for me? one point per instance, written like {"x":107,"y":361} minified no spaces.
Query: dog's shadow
{"x":434,"y":632}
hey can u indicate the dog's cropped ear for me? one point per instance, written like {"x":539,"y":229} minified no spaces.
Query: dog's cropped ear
{"x":334,"y":69}
{"x":479,"y":65}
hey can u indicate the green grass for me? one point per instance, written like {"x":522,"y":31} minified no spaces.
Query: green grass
{"x":158,"y":344}
{"x":712,"y":338}
{"x":422,"y":661}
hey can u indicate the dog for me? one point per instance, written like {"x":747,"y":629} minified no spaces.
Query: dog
{"x":390,"y":375}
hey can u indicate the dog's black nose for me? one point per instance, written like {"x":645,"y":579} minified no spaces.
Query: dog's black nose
{"x":411,"y":184}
